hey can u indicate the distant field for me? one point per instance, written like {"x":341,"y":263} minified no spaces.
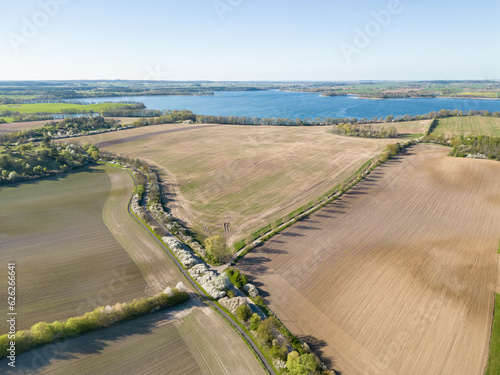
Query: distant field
{"x":395,"y":277}
{"x":451,"y":126}
{"x":14,"y":127}
{"x":242,"y":175}
{"x":58,"y":107}
{"x":67,"y":260}
{"x":406,"y":129}
{"x":185,"y":341}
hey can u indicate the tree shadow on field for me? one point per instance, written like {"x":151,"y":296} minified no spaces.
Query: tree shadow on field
{"x":316,"y":345}
{"x":291,"y":234}
{"x":304,"y":227}
{"x":275,"y":241}
{"x":254,"y":265}
{"x":88,"y":344}
{"x":267,"y":250}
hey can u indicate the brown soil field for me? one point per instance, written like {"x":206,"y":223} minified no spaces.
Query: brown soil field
{"x":398,"y":275}
{"x":242,"y":175}
{"x":14,"y":127}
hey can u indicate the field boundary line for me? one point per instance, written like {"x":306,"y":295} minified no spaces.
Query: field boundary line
{"x":302,"y":212}
{"x":204,"y":297}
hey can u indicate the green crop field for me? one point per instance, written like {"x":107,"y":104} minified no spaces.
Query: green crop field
{"x":58,"y":107}
{"x":67,"y":260}
{"x":451,"y":126}
{"x":178,"y":341}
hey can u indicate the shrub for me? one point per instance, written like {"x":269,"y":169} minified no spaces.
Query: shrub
{"x":304,"y":364}
{"x":254,"y":322}
{"x":243,"y":312}
{"x":266,"y":330}
{"x":259,"y":301}
{"x":237,"y":278}
{"x":278,"y":352}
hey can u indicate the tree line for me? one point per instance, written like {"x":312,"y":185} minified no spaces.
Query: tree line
{"x":366,"y":131}
{"x":43,"y":333}
{"x":474,"y":145}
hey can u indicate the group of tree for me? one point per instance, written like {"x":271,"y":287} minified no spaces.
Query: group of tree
{"x":287,"y":352}
{"x":29,"y":160}
{"x":68,"y":126}
{"x":23,"y":117}
{"x":366,"y":131}
{"x":464,"y":145}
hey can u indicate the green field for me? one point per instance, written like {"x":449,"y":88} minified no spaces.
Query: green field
{"x":494,"y":358}
{"x":184,"y":340}
{"x":59,"y":107}
{"x":67,"y":260}
{"x":451,"y":126}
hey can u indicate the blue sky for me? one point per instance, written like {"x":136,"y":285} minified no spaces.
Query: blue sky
{"x":249,"y":39}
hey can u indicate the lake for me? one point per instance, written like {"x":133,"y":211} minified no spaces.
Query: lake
{"x":273,"y":103}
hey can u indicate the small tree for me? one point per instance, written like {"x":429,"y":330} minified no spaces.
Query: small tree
{"x":274,"y":226}
{"x":304,"y":364}
{"x":249,"y":240}
{"x":254,"y":322}
{"x":13,"y":176}
{"x":216,"y":248}
{"x":243,"y":312}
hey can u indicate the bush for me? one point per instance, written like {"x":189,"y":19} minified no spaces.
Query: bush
{"x":254,"y":322}
{"x":266,"y":329}
{"x":278,"y":352}
{"x":243,"y":312}
{"x":304,"y":364}
{"x":237,"y":278}
{"x":259,"y":301}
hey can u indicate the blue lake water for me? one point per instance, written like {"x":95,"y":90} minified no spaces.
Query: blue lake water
{"x":273,"y":103}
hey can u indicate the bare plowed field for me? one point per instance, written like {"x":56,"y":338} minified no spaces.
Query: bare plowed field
{"x":242,"y":175}
{"x":397,"y":276}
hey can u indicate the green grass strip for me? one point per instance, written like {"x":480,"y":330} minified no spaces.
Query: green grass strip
{"x":494,"y":358}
